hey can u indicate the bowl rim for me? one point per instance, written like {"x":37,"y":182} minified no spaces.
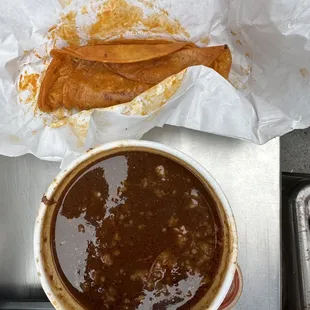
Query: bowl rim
{"x":231,"y":266}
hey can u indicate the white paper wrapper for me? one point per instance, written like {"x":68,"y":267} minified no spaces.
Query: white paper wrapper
{"x":268,"y":95}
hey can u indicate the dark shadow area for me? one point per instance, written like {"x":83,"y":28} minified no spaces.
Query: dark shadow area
{"x":294,"y":288}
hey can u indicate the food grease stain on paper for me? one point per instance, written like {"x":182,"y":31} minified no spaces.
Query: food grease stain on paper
{"x":79,"y":124}
{"x":148,"y":3}
{"x":304,"y":72}
{"x":64,"y":3}
{"x":236,"y":82}
{"x":60,"y":117}
{"x":84,"y":10}
{"x":66,"y":30}
{"x":115,"y":17}
{"x":15,"y":139}
{"x":29,"y":82}
{"x":204,"y":41}
{"x":245,"y":70}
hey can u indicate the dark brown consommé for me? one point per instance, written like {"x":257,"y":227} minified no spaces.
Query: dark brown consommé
{"x":137,"y":230}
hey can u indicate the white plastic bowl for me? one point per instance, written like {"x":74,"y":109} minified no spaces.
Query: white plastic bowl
{"x":51,"y":283}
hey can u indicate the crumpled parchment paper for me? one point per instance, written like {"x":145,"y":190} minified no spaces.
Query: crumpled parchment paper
{"x":267,"y":95}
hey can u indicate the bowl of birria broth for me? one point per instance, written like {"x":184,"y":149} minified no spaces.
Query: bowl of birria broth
{"x":135,"y":225}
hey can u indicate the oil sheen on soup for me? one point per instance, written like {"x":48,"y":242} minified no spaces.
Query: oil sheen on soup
{"x":137,"y":230}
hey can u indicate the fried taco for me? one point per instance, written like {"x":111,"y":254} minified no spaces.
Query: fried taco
{"x":103,"y":75}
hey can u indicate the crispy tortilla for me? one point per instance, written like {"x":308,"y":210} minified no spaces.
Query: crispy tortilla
{"x":222,"y":63}
{"x":121,"y":53}
{"x":99,"y":76}
{"x":155,"y":70}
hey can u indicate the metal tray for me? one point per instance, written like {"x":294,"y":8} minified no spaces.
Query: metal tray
{"x":248,"y":174}
{"x":22,"y":182}
{"x":296,"y":240}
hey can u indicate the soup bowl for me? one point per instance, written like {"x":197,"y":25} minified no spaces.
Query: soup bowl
{"x":49,"y":276}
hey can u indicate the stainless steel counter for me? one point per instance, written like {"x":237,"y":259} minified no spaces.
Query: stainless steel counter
{"x":248,"y":174}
